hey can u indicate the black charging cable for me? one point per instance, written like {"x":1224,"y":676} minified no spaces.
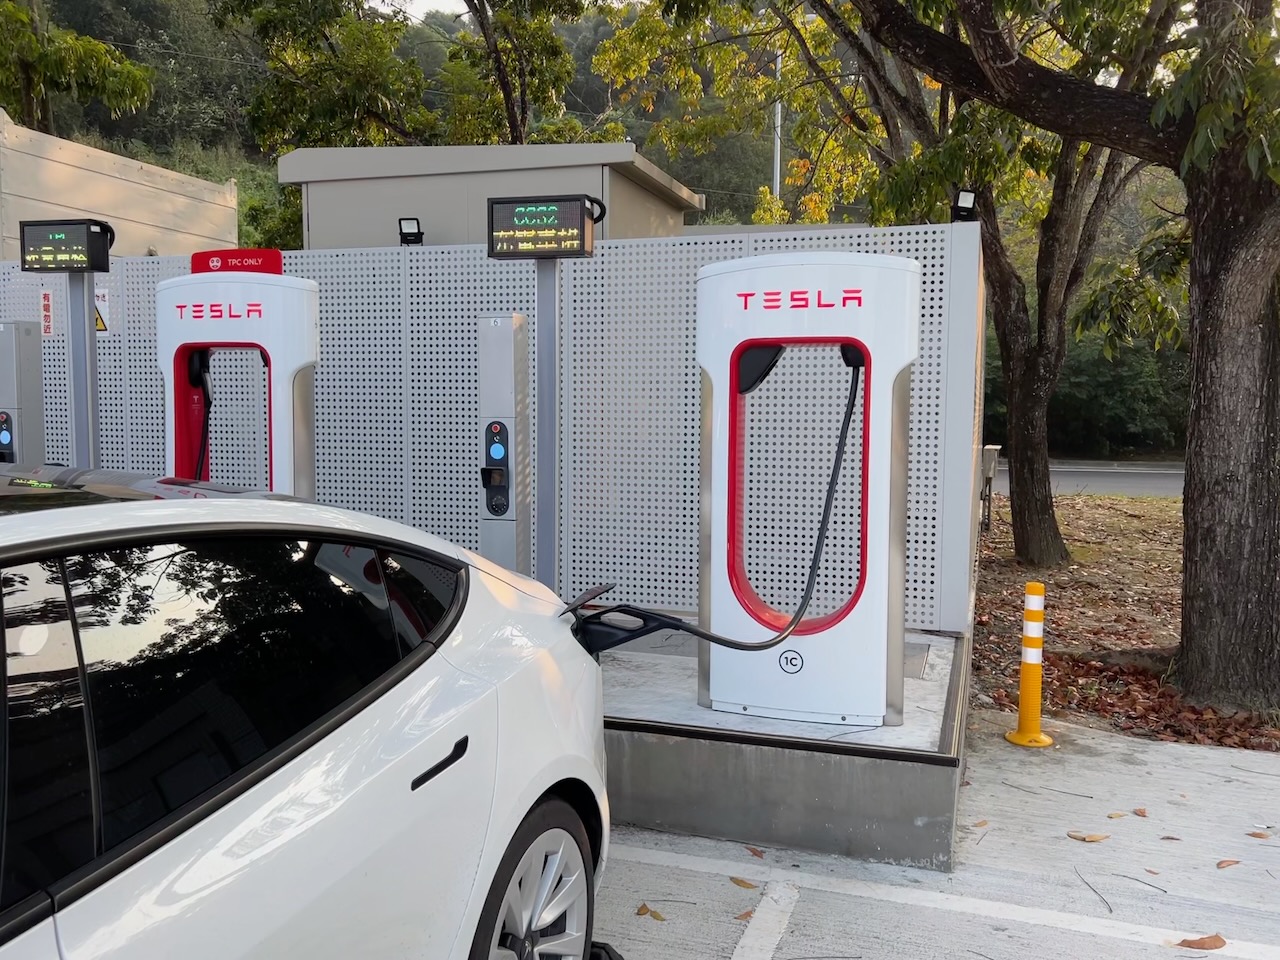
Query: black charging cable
{"x":598,"y":635}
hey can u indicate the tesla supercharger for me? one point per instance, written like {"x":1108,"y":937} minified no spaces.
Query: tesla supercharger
{"x":240,"y":300}
{"x":781,"y":340}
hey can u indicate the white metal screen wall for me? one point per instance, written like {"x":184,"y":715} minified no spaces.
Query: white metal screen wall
{"x":396,"y":405}
{"x":630,"y":420}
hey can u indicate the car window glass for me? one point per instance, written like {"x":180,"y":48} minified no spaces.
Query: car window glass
{"x":421,"y":594}
{"x":203,"y":656}
{"x":48,"y":804}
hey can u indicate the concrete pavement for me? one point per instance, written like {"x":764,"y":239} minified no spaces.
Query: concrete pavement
{"x":1123,"y":478}
{"x":1187,"y":869}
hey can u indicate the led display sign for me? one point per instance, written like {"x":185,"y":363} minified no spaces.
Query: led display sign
{"x":66,"y":246}
{"x":539,"y":228}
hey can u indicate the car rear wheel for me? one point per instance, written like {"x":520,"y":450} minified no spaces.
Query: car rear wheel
{"x":542,"y":902}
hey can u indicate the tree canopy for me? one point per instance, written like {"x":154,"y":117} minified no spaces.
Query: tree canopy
{"x":39,"y":61}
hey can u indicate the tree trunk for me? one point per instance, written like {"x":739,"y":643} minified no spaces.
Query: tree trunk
{"x":1028,"y":384}
{"x":1036,"y":537}
{"x":1230,"y":652}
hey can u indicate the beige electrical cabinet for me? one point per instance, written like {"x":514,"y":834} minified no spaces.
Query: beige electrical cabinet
{"x":151,"y":209}
{"x":354,"y":196}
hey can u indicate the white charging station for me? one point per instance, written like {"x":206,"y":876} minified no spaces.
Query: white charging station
{"x":833,"y":319}
{"x":241,"y":299}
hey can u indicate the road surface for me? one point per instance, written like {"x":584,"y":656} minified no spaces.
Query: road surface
{"x":1182,"y":850}
{"x":1114,"y":479}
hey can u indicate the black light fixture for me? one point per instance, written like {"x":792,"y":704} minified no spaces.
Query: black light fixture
{"x":410,"y":232}
{"x":965,"y":205}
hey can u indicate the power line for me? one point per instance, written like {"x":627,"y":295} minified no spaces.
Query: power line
{"x":147,"y":48}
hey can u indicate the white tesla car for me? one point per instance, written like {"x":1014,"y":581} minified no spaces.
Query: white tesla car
{"x":247,"y":726}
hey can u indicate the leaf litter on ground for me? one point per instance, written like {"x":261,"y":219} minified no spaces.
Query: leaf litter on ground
{"x":1112,"y":619}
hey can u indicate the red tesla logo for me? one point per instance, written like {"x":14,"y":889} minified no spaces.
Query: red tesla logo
{"x":217,"y":311}
{"x":800,"y":299}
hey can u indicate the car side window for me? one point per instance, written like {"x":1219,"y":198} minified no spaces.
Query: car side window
{"x":48,"y":802}
{"x":203,"y":656}
{"x":421,"y":594}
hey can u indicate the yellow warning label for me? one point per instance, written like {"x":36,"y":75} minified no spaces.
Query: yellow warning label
{"x":98,"y":321}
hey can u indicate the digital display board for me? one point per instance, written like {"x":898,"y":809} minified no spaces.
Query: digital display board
{"x":539,"y":228}
{"x":66,"y":246}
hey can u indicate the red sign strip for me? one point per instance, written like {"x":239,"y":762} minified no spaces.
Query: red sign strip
{"x":238,"y":261}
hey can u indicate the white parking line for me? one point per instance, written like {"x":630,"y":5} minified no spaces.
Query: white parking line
{"x":762,"y":945}
{"x":768,"y":923}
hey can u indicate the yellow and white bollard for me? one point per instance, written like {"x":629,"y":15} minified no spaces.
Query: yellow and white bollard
{"x":1028,"y":733}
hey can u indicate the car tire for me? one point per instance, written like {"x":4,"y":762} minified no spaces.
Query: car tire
{"x":550,"y":844}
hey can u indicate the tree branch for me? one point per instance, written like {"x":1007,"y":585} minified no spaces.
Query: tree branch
{"x":481,"y":14}
{"x":1050,"y":99}
{"x":1155,"y":32}
{"x":918,"y":122}
{"x":1059,"y":234}
{"x":845,"y":108}
{"x":1007,"y":290}
{"x":1112,"y":184}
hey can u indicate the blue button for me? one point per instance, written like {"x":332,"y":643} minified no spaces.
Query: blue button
{"x":497,"y":451}
{"x":4,"y":436}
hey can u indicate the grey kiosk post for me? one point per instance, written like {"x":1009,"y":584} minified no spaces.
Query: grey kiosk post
{"x":545,"y":230}
{"x":21,"y":393}
{"x":506,"y":504}
{"x":78,"y":248}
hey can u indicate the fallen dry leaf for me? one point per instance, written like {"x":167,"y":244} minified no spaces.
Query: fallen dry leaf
{"x":746,"y":915}
{"x":1260,"y":835}
{"x":758,"y":854}
{"x":1140,"y":812}
{"x":1116,"y":622}
{"x":981,"y":823}
{"x":1116,"y":816}
{"x":744,"y":884}
{"x":644,"y":909}
{"x":1088,"y":837}
{"x":1227,"y":863}
{"x":1170,"y":838}
{"x":657,"y":916}
{"x":1154,"y":873}
{"x":1214,"y":942}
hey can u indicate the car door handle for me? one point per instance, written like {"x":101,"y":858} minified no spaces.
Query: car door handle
{"x":454,"y":756}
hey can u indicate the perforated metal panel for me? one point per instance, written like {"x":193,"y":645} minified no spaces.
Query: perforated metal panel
{"x":113,"y":384}
{"x":929,"y":246}
{"x":791,"y":427}
{"x":630,"y":408}
{"x":361,"y":435}
{"x":238,"y":437}
{"x":142,"y":368}
{"x":449,"y":288}
{"x":396,"y":406}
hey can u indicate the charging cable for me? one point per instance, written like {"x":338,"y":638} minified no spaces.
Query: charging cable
{"x":199,"y":375}
{"x":598,"y":635}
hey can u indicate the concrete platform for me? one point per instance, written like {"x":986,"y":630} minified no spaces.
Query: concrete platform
{"x":877,"y":793}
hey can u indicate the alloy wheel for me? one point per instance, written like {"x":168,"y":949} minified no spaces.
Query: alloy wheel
{"x":545,"y":908}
